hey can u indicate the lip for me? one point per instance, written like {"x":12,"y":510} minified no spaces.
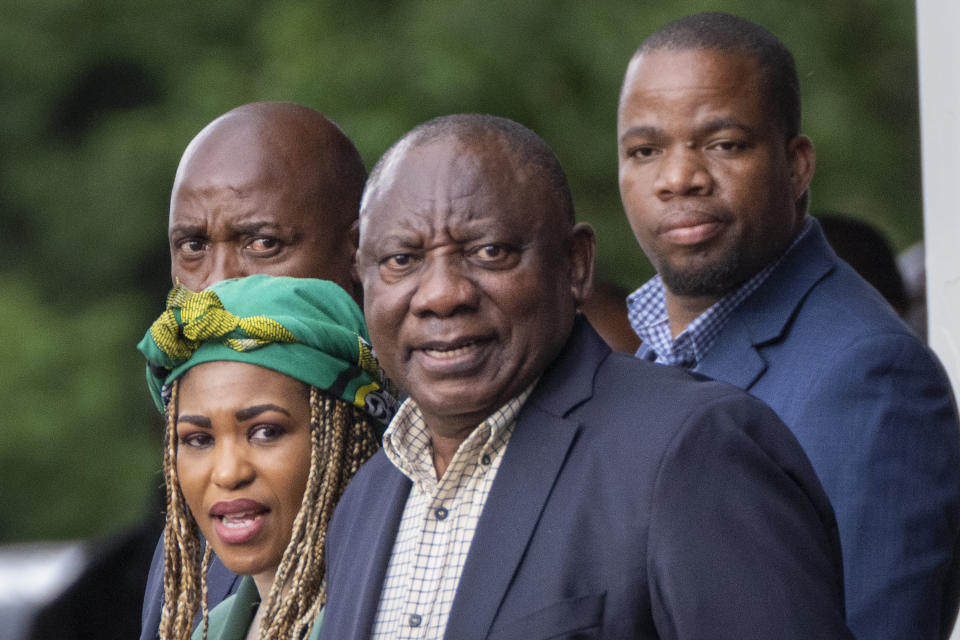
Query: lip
{"x":691,"y":227}
{"x":238,"y":521}
{"x":453,"y":357}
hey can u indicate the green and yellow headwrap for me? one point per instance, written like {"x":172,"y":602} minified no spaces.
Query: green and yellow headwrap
{"x":311,"y":330}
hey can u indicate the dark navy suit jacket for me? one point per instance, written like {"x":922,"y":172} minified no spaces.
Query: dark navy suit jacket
{"x":633,"y":501}
{"x":874,"y":412}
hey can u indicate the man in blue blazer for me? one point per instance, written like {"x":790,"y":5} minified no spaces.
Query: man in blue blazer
{"x":238,"y":209}
{"x":714,"y":177}
{"x":534,"y":484}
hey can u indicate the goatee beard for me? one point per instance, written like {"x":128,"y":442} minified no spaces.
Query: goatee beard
{"x":714,"y":280}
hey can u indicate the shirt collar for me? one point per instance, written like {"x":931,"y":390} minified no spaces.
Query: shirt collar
{"x":647,"y":311}
{"x":407,"y":444}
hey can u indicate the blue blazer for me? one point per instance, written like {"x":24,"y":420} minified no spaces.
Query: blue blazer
{"x":874,"y":412}
{"x":633,"y":501}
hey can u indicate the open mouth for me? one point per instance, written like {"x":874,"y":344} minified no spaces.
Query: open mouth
{"x":238,"y":521}
{"x":454,"y":357}
{"x":238,"y":528}
{"x":449,"y":353}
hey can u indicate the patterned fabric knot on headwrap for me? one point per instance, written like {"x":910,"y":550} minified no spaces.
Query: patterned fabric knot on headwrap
{"x":193,"y":318}
{"x":311,"y":330}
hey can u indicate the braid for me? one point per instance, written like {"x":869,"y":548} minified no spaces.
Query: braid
{"x":342,"y":438}
{"x":204,"y":567}
{"x":181,"y":542}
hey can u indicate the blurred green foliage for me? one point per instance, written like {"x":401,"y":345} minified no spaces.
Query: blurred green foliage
{"x":100,"y":97}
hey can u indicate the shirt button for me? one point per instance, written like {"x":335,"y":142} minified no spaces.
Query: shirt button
{"x":485,"y":460}
{"x":415,"y":620}
{"x":441,"y":514}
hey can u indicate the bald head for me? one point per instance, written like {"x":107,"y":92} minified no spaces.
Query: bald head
{"x":528,"y":151}
{"x":269,"y":187}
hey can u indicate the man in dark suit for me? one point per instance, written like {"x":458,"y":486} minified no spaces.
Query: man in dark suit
{"x":268,"y":187}
{"x":715,"y":176}
{"x":535,"y":484}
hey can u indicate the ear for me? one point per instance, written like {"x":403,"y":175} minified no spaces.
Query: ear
{"x":352,"y":242}
{"x":803,"y":161}
{"x":582,"y":250}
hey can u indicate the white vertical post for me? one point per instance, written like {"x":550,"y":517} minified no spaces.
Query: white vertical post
{"x":938,"y":45}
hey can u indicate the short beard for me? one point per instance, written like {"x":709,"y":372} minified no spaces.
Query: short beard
{"x":714,"y":280}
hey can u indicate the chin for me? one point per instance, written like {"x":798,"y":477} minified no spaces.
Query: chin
{"x":715,"y":279}
{"x":248,"y":566}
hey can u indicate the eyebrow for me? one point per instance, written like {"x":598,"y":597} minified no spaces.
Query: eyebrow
{"x":257,"y":226}
{"x":711,"y":126}
{"x":641,"y":132}
{"x":251,"y":412}
{"x":187,"y":229}
{"x":200,"y":421}
{"x":199,"y":228}
{"x":723,"y":123}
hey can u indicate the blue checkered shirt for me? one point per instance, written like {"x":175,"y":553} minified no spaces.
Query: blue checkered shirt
{"x":647,"y":310}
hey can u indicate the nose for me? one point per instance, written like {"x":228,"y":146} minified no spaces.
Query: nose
{"x":231,"y":468}
{"x":223,"y":264}
{"x":682,"y":172}
{"x":444,"y":288}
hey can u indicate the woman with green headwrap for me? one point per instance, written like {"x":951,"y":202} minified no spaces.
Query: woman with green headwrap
{"x":272,"y":401}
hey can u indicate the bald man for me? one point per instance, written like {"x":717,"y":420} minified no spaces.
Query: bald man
{"x":269,"y":187}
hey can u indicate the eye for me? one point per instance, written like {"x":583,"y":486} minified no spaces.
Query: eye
{"x":490,"y":252}
{"x":196,"y":439}
{"x":192,"y":246}
{"x":642,"y":152}
{"x":265,"y":433}
{"x":494,"y":255}
{"x":264,"y":245}
{"x":729,"y":146}
{"x":398,"y":263}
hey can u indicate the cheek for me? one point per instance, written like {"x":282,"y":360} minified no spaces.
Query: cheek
{"x":526,"y":308}
{"x":190,"y":276}
{"x":192,"y":481}
{"x":633,"y":206}
{"x":294,"y":469}
{"x":384,"y":310}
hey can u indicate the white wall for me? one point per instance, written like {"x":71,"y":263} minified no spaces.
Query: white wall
{"x":938,"y":40}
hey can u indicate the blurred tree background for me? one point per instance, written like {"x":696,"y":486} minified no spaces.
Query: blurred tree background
{"x":100,"y":97}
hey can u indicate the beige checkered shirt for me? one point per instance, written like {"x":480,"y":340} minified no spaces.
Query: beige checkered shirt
{"x":438,"y":520}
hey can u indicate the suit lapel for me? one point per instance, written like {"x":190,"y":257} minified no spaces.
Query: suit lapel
{"x":533,"y":460}
{"x":733,"y":357}
{"x":243,"y":607}
{"x":368,"y":571}
{"x":737,"y":357}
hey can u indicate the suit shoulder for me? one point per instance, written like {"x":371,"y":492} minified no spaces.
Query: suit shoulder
{"x":637,"y":393}
{"x":844,"y":322}
{"x":376,"y":470}
{"x":649,"y":382}
{"x":848,"y":304}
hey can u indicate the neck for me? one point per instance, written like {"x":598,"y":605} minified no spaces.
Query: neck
{"x":682,"y":310}
{"x":264,"y":582}
{"x":444,"y":448}
{"x":447,"y":432}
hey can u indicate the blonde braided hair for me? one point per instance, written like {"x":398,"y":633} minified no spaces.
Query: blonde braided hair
{"x":342,"y":438}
